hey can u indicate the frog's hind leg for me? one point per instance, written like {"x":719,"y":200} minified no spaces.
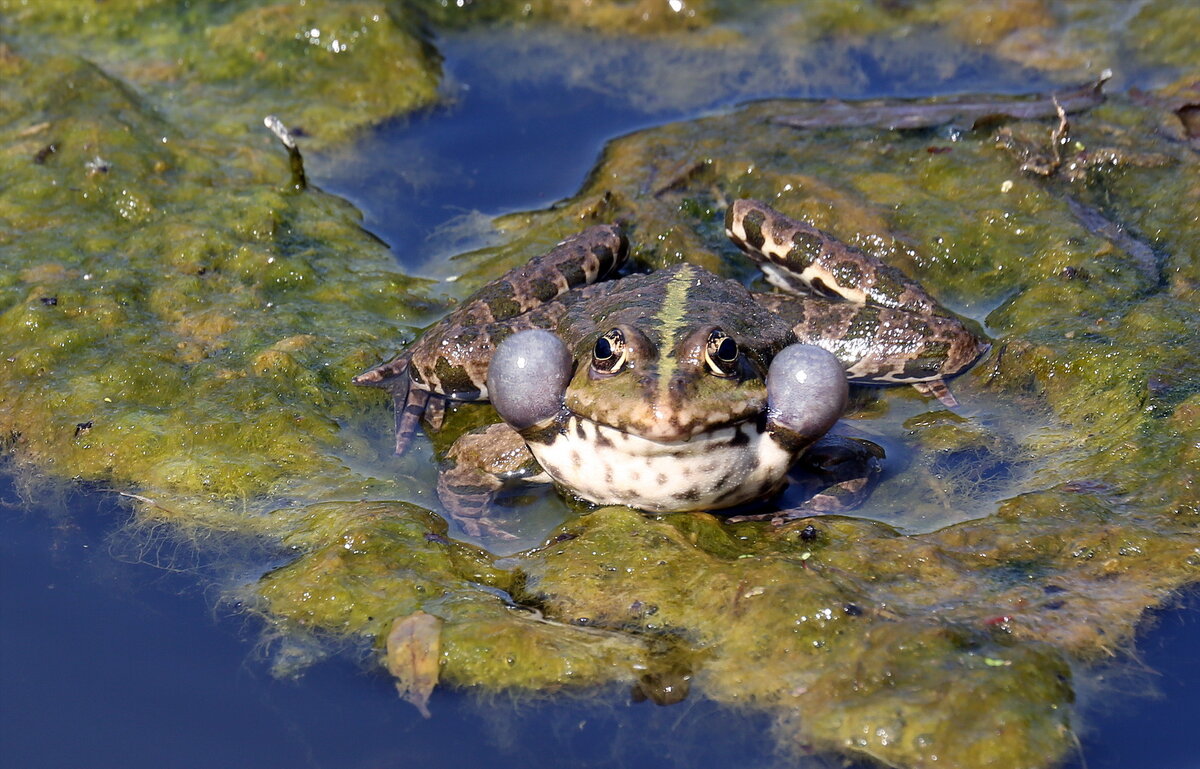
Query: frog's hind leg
{"x":881,"y":346}
{"x":835,"y":475}
{"x":479,"y":465}
{"x":800,"y":258}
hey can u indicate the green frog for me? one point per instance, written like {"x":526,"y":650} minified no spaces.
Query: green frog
{"x":675,"y":390}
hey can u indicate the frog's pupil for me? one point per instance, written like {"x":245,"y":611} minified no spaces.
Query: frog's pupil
{"x":603,"y":349}
{"x":727,"y":350}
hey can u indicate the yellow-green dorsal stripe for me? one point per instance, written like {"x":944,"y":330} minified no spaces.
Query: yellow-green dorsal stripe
{"x":669,"y":319}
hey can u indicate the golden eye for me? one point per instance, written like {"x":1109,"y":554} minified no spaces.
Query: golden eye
{"x":721,"y":354}
{"x":610,"y":352}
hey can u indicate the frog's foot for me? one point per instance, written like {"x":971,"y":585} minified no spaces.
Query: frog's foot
{"x":839,"y":474}
{"x":835,"y":475}
{"x":411,"y":402}
{"x":479,"y":465}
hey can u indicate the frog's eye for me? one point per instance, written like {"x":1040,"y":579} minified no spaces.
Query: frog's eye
{"x":610,"y":353}
{"x":721,"y":354}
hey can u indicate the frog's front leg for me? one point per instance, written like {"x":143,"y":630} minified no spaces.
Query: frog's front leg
{"x":450,"y":360}
{"x":836,"y":475}
{"x":886,"y":329}
{"x":480,"y":464}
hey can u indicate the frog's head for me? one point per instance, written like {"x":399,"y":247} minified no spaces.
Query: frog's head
{"x":676,"y":392}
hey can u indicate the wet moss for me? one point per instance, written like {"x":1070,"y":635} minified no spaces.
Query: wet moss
{"x":175,"y":331}
{"x":361,"y":566}
{"x":327,"y":67}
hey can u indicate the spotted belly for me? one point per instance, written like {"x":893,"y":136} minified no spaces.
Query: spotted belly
{"x":709,"y":471}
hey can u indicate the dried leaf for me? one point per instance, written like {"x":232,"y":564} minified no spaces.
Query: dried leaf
{"x":413,"y":651}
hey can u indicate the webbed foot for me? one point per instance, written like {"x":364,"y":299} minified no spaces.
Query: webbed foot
{"x":836,"y":475}
{"x":479,"y":465}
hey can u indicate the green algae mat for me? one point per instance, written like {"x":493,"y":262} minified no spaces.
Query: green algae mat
{"x":180,"y":324}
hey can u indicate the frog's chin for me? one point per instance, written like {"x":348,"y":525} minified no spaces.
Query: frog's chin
{"x":726,"y":466}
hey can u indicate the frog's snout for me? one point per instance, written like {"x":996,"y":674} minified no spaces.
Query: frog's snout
{"x":806,"y":394}
{"x":527,"y":377}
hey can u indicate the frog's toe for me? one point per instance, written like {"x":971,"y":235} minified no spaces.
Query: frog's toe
{"x":938,"y":389}
{"x":469,"y":505}
{"x":528,"y":376}
{"x":806,"y":394}
{"x":410,"y":404}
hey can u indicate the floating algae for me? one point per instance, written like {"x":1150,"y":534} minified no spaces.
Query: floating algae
{"x":178,"y":322}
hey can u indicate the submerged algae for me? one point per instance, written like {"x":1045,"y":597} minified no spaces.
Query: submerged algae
{"x":330,"y":67}
{"x":176,"y":322}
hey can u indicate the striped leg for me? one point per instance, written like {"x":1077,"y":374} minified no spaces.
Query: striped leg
{"x":882,"y":325}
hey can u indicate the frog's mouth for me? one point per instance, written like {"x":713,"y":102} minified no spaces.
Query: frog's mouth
{"x":662,"y":438}
{"x":670,"y":424}
{"x":720,"y":467}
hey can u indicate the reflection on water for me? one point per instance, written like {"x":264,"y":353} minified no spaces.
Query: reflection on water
{"x":108,"y":662}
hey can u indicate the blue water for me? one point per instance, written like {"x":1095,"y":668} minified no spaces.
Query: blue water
{"x":118,"y":652}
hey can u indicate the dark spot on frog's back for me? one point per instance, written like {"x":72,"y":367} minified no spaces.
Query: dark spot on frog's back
{"x":455,"y":379}
{"x":752,"y":223}
{"x":888,"y":287}
{"x":806,"y":247}
{"x":543,"y":289}
{"x":847,"y":273}
{"x":864,"y":325}
{"x":500,"y":299}
{"x":573,"y":273}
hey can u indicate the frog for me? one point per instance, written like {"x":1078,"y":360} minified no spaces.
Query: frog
{"x":674,"y":390}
